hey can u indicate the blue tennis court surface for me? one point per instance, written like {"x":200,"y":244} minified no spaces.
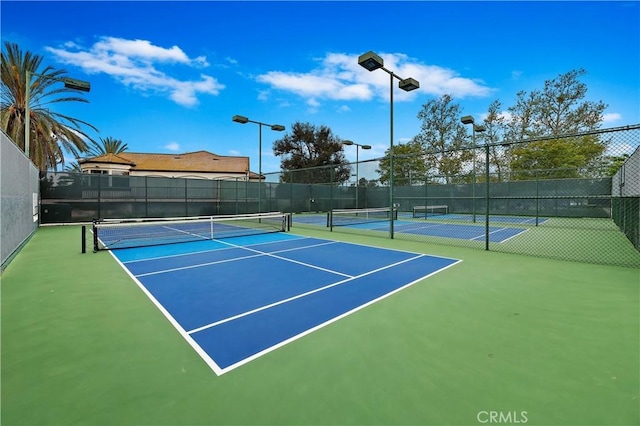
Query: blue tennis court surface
{"x":522,"y":220}
{"x":497,"y":234}
{"x":237,"y":299}
{"x":437,"y":225}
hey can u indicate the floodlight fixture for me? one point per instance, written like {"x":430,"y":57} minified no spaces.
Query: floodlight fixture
{"x":240,"y":119}
{"x":358,"y":146}
{"x":475,"y":128}
{"x":73,"y":83}
{"x":276,"y":127}
{"x":409,"y":84}
{"x":370,"y":61}
{"x":467,"y":119}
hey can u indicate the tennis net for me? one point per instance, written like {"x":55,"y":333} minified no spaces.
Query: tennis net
{"x":346,"y":217}
{"x":111,"y":234}
{"x":425,"y":211}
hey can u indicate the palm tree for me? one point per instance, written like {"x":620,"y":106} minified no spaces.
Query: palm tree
{"x":106,"y":146}
{"x":51,"y":132}
{"x":73,"y":168}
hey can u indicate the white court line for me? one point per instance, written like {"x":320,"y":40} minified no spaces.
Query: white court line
{"x":207,"y":359}
{"x":513,"y":236}
{"x":406,"y":228}
{"x":199,"y":265}
{"x":497,"y":230}
{"x":331,"y":321}
{"x":280,"y":302}
{"x":258,"y":253}
{"x":290,"y":260}
{"x":208,"y":250}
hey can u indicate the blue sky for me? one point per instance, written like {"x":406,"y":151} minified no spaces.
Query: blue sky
{"x":168,"y":76}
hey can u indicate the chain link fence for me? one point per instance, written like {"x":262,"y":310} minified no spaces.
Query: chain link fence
{"x":501,"y":198}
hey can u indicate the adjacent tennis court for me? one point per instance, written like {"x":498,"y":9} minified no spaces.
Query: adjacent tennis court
{"x":378,"y":219}
{"x":239,"y":298}
{"x":446,"y":230}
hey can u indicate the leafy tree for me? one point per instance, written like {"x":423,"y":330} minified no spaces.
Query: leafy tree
{"x":519,"y":124}
{"x":364,"y":182}
{"x":558,"y":109}
{"x":106,"y":146}
{"x":73,"y":168}
{"x":615,"y":162}
{"x":495,"y":125}
{"x":51,"y":132}
{"x":443,"y":136}
{"x":309,"y":146}
{"x":556,"y":158}
{"x":408,"y":164}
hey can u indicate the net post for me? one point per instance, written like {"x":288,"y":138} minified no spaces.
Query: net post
{"x":83,"y":239}
{"x":537,"y":198}
{"x":95,"y":237}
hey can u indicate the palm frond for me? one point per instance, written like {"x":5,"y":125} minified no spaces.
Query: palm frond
{"x":51,"y":133}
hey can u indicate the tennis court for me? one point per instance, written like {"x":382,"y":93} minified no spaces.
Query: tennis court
{"x":378,"y":219}
{"x":521,"y":220}
{"x":239,"y":298}
{"x":496,"y":332}
{"x":447,"y":230}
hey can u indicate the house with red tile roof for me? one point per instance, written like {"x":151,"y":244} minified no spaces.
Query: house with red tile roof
{"x":194,"y":165}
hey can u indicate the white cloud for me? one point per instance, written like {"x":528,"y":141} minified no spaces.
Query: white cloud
{"x":339,"y":77}
{"x":141,"y":49}
{"x":313,"y":105}
{"x":611,"y":117}
{"x":135,"y":63}
{"x":313,"y":85}
{"x":172,"y":146}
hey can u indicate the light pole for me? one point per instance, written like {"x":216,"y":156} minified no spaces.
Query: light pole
{"x":372,"y":62}
{"x":278,"y":128}
{"x":358,"y":146}
{"x":467,"y":119}
{"x":69,"y":83}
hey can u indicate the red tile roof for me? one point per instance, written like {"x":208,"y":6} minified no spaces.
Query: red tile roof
{"x":199,"y":161}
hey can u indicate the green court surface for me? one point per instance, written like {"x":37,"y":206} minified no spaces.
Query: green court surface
{"x":546,"y":342}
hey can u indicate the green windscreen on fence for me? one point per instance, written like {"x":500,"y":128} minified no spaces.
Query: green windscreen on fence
{"x":586,"y":214}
